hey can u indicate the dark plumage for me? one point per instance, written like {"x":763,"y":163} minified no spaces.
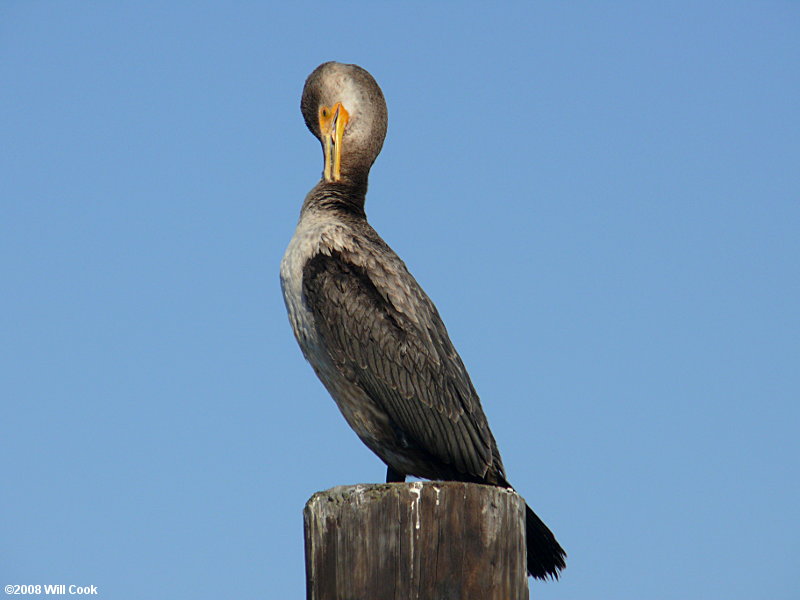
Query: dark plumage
{"x":371,"y":333}
{"x":421,"y":384}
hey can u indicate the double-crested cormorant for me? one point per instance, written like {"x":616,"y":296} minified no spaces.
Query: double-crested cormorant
{"x":368,"y":329}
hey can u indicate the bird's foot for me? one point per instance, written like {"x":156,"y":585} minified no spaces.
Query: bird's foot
{"x":393,"y":476}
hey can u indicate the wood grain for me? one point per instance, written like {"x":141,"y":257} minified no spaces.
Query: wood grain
{"x":417,"y":541}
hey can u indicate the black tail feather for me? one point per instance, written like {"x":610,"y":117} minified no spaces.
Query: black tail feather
{"x":545,"y":556}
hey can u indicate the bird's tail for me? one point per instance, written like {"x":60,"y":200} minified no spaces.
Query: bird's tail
{"x":545,"y":555}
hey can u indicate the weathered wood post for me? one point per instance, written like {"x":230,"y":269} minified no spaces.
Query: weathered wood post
{"x":416,"y":541}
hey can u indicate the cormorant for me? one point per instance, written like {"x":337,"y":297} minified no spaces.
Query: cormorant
{"x":368,"y":329}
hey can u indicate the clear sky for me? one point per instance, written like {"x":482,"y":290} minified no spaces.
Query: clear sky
{"x":603,"y":199}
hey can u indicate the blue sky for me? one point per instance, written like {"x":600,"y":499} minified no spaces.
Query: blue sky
{"x":602,"y":199}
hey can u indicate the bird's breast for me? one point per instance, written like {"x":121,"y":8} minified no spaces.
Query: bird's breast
{"x":304,"y":245}
{"x":317,"y":232}
{"x":313,"y":235}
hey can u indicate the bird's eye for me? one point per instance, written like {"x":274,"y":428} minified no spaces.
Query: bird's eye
{"x":325,"y":113}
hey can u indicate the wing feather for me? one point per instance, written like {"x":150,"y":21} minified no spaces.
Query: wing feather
{"x":388,"y":337}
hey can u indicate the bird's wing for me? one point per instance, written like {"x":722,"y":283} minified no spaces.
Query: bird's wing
{"x":383,"y":333}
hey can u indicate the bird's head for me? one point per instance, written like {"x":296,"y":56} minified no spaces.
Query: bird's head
{"x":345,"y":109}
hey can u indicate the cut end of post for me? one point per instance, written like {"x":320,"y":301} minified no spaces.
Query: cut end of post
{"x":419,"y":540}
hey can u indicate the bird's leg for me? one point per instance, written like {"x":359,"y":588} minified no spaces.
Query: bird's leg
{"x":393,"y":476}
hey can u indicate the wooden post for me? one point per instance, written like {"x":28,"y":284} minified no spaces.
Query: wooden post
{"x":416,"y":541}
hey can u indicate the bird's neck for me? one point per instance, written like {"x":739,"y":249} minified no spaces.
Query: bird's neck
{"x":345,"y":196}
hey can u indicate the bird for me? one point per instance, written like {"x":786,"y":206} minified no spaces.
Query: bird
{"x":369,"y":331}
